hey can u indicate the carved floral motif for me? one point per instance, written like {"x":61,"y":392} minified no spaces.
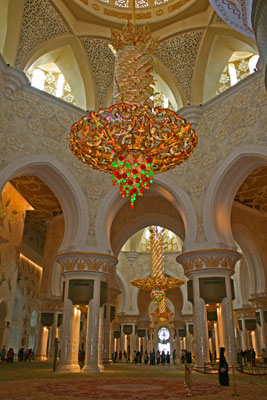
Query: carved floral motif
{"x":86,"y":262}
{"x":196,"y":260}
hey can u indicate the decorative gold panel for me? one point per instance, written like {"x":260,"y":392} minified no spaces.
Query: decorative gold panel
{"x":39,"y":196}
{"x":253,"y":191}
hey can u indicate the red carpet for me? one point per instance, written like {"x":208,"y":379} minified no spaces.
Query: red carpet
{"x":107,"y":389}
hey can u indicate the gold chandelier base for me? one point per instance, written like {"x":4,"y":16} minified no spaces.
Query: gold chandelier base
{"x":157,"y":283}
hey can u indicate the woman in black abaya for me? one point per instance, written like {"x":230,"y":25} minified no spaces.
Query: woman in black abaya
{"x":223,"y":369}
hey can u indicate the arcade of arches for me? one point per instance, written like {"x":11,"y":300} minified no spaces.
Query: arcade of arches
{"x":70,"y":245}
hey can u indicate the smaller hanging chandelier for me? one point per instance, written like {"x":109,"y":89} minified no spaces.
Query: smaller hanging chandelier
{"x":158,"y":283}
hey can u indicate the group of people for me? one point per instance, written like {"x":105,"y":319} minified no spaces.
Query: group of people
{"x":25,"y":354}
{"x":246,"y":356}
{"x":7,"y":356}
{"x":153,"y":358}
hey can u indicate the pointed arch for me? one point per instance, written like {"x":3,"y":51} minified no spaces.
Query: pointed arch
{"x":64,"y":186}
{"x":163,"y":187}
{"x":253,"y":258}
{"x":222,"y":190}
{"x":68,"y":54}
{"x":217,"y":46}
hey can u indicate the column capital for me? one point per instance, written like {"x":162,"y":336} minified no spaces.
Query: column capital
{"x":179,"y":324}
{"x":143,"y":324}
{"x":86,"y":261}
{"x":245,"y":312}
{"x":209,"y":261}
{"x":50,"y":304}
{"x":188,"y":318}
{"x":116,"y":326}
{"x":259,"y":301}
{"x":112,"y":296}
{"x":128,"y":319}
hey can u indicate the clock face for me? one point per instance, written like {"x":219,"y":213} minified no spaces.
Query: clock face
{"x":163,"y":334}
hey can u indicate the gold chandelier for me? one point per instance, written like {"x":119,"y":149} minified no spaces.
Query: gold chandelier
{"x":132,"y":139}
{"x":158,"y":283}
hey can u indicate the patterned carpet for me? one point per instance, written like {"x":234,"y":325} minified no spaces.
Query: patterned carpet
{"x":36,"y":381}
{"x":106,"y":389}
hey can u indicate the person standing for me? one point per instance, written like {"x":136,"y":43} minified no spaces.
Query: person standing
{"x":174,"y":356}
{"x":153,"y":356}
{"x":223,"y":369}
{"x":168,"y":358}
{"x":3,"y":353}
{"x":163,"y":358}
{"x":158,"y":357}
{"x":146,"y":357}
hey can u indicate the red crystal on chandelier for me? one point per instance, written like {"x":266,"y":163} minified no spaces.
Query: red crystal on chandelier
{"x":157,"y":295}
{"x":133,"y":172}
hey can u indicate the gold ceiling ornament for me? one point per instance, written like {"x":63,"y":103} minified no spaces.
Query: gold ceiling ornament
{"x":158,"y":283}
{"x":132,"y":139}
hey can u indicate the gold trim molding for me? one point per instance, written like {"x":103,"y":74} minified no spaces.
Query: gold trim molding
{"x":209,"y":258}
{"x":86,"y":261}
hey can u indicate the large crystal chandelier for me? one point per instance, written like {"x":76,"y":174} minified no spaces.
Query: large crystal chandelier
{"x":132,"y":139}
{"x":158,"y":283}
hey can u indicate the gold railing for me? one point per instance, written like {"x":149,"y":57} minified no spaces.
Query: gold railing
{"x":188,"y":379}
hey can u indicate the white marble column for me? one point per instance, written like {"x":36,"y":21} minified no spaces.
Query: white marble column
{"x":228,"y":324}
{"x":122,"y":344}
{"x":69,"y":339}
{"x":38,"y":352}
{"x":217,"y":340}
{"x":65,"y":361}
{"x":75,"y":337}
{"x":263,"y":329}
{"x":101,"y":339}
{"x":188,"y":338}
{"x":91,"y":351}
{"x":132,"y":341}
{"x":200,"y":326}
{"x":244,"y":335}
{"x":220,"y":327}
{"x":107,"y":337}
{"x":146,"y":343}
{"x":178,"y":349}
{"x":44,"y":343}
{"x":53,"y":337}
{"x":257,"y":341}
{"x":136,"y":342}
{"x":213,"y":342}
{"x":250,"y":344}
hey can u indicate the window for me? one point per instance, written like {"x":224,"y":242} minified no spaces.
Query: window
{"x":49,"y":78}
{"x":240,"y":65}
{"x":164,"y":340}
{"x":38,"y":79}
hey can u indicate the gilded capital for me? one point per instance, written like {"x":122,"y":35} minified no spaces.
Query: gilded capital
{"x":209,"y":259}
{"x":86,"y":261}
